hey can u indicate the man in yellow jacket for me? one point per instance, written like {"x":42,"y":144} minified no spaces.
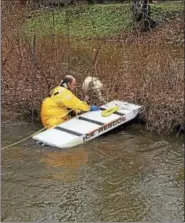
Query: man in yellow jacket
{"x":55,"y":109}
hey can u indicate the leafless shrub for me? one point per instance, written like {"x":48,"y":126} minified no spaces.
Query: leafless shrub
{"x":142,"y":69}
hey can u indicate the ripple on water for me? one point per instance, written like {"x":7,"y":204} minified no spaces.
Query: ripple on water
{"x":122,"y":176}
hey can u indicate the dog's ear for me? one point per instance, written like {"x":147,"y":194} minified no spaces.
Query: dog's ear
{"x":86,"y":83}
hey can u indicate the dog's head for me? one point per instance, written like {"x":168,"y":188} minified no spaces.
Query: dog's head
{"x":92,"y":84}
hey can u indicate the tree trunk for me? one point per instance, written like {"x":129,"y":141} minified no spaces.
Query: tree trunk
{"x":141,"y":15}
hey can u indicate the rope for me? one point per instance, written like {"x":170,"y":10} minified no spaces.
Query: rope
{"x":24,"y":139}
{"x":13,"y":144}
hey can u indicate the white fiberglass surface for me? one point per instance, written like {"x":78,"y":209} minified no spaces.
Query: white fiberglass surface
{"x":80,"y":126}
{"x":55,"y":136}
{"x":96,"y":115}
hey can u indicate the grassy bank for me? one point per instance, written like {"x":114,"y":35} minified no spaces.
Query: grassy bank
{"x":94,"y":21}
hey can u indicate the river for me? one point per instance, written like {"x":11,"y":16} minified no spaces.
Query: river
{"x":126,"y":175}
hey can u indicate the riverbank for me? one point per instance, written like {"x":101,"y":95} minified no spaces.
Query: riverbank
{"x":147,"y":68}
{"x":95,"y":21}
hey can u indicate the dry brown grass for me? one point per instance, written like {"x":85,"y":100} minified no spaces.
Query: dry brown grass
{"x":145,"y":70}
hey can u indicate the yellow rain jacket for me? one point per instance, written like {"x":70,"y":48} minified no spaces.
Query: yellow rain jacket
{"x":55,"y":109}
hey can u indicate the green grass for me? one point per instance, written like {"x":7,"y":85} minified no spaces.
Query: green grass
{"x":83,"y":21}
{"x":166,"y":11}
{"x":92,"y":21}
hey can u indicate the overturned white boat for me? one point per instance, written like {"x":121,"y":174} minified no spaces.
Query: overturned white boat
{"x":88,"y":126}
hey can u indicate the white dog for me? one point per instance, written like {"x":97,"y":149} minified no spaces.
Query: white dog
{"x":93,"y":84}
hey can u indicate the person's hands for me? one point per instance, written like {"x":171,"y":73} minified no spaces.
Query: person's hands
{"x":94,"y":108}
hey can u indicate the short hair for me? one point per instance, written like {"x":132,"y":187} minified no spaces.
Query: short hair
{"x":67,"y":79}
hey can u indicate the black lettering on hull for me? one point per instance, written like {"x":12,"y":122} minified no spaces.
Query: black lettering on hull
{"x":104,"y":128}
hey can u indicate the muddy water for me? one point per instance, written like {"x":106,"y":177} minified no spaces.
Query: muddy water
{"x":126,"y":175}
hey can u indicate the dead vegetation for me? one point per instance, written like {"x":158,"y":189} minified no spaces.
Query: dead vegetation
{"x":143,"y":69}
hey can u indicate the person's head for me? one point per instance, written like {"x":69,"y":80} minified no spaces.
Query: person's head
{"x":69,"y":82}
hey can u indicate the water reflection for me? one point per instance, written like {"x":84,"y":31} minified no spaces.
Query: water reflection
{"x":66,"y":159}
{"x":65,"y":162}
{"x":127,"y":175}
